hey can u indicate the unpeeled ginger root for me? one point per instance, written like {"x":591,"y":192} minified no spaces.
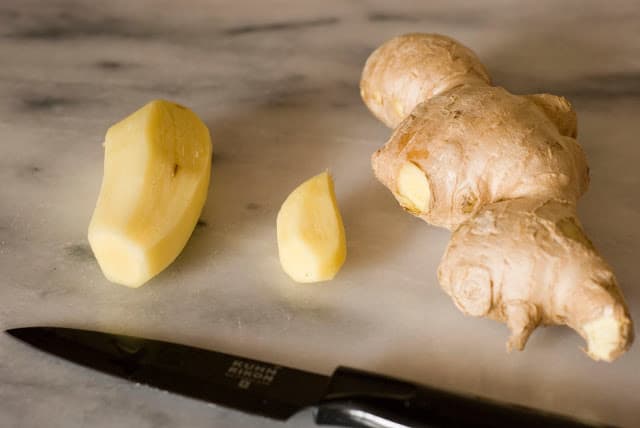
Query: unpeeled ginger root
{"x":311,"y":238}
{"x":503,"y":172}
{"x":157,"y":165}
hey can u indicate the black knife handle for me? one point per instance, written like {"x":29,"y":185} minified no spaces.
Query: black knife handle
{"x":360,"y":399}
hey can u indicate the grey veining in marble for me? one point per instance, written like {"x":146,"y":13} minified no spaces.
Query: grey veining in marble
{"x":277,"y":83}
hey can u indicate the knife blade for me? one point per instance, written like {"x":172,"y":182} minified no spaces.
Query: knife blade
{"x":349,"y":397}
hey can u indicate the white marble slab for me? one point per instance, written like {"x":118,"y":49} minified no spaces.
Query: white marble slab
{"x":277,"y":84}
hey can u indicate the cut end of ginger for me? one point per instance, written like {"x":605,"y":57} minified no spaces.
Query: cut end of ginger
{"x":606,"y":336}
{"x":121,"y":260}
{"x":311,"y":238}
{"x":157,"y":165}
{"x":413,"y":189}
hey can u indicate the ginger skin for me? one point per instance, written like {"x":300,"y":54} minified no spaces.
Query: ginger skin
{"x":503,"y":172}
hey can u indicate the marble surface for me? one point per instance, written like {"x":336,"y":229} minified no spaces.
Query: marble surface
{"x":277,"y":83}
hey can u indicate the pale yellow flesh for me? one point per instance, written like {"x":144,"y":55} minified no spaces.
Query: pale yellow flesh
{"x":156,"y":176}
{"x":603,"y":336}
{"x":413,"y":188}
{"x":311,"y":238}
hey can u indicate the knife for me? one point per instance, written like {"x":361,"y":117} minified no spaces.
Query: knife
{"x":349,"y":397}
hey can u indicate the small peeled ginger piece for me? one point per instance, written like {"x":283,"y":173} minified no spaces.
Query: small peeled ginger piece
{"x":157,"y":165}
{"x":311,"y":239}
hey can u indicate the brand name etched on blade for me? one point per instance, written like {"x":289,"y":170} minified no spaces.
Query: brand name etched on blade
{"x":249,"y":372}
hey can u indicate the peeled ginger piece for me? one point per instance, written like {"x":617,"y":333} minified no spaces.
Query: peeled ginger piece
{"x":157,"y":165}
{"x":311,"y":239}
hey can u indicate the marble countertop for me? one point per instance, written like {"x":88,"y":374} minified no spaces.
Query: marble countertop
{"x":277,"y":83}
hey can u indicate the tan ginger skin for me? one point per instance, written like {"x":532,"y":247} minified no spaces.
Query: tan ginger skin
{"x":503,"y":172}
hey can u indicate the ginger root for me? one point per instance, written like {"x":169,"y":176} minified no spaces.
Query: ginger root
{"x":311,"y":239}
{"x":503,"y":172}
{"x":157,"y":166}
